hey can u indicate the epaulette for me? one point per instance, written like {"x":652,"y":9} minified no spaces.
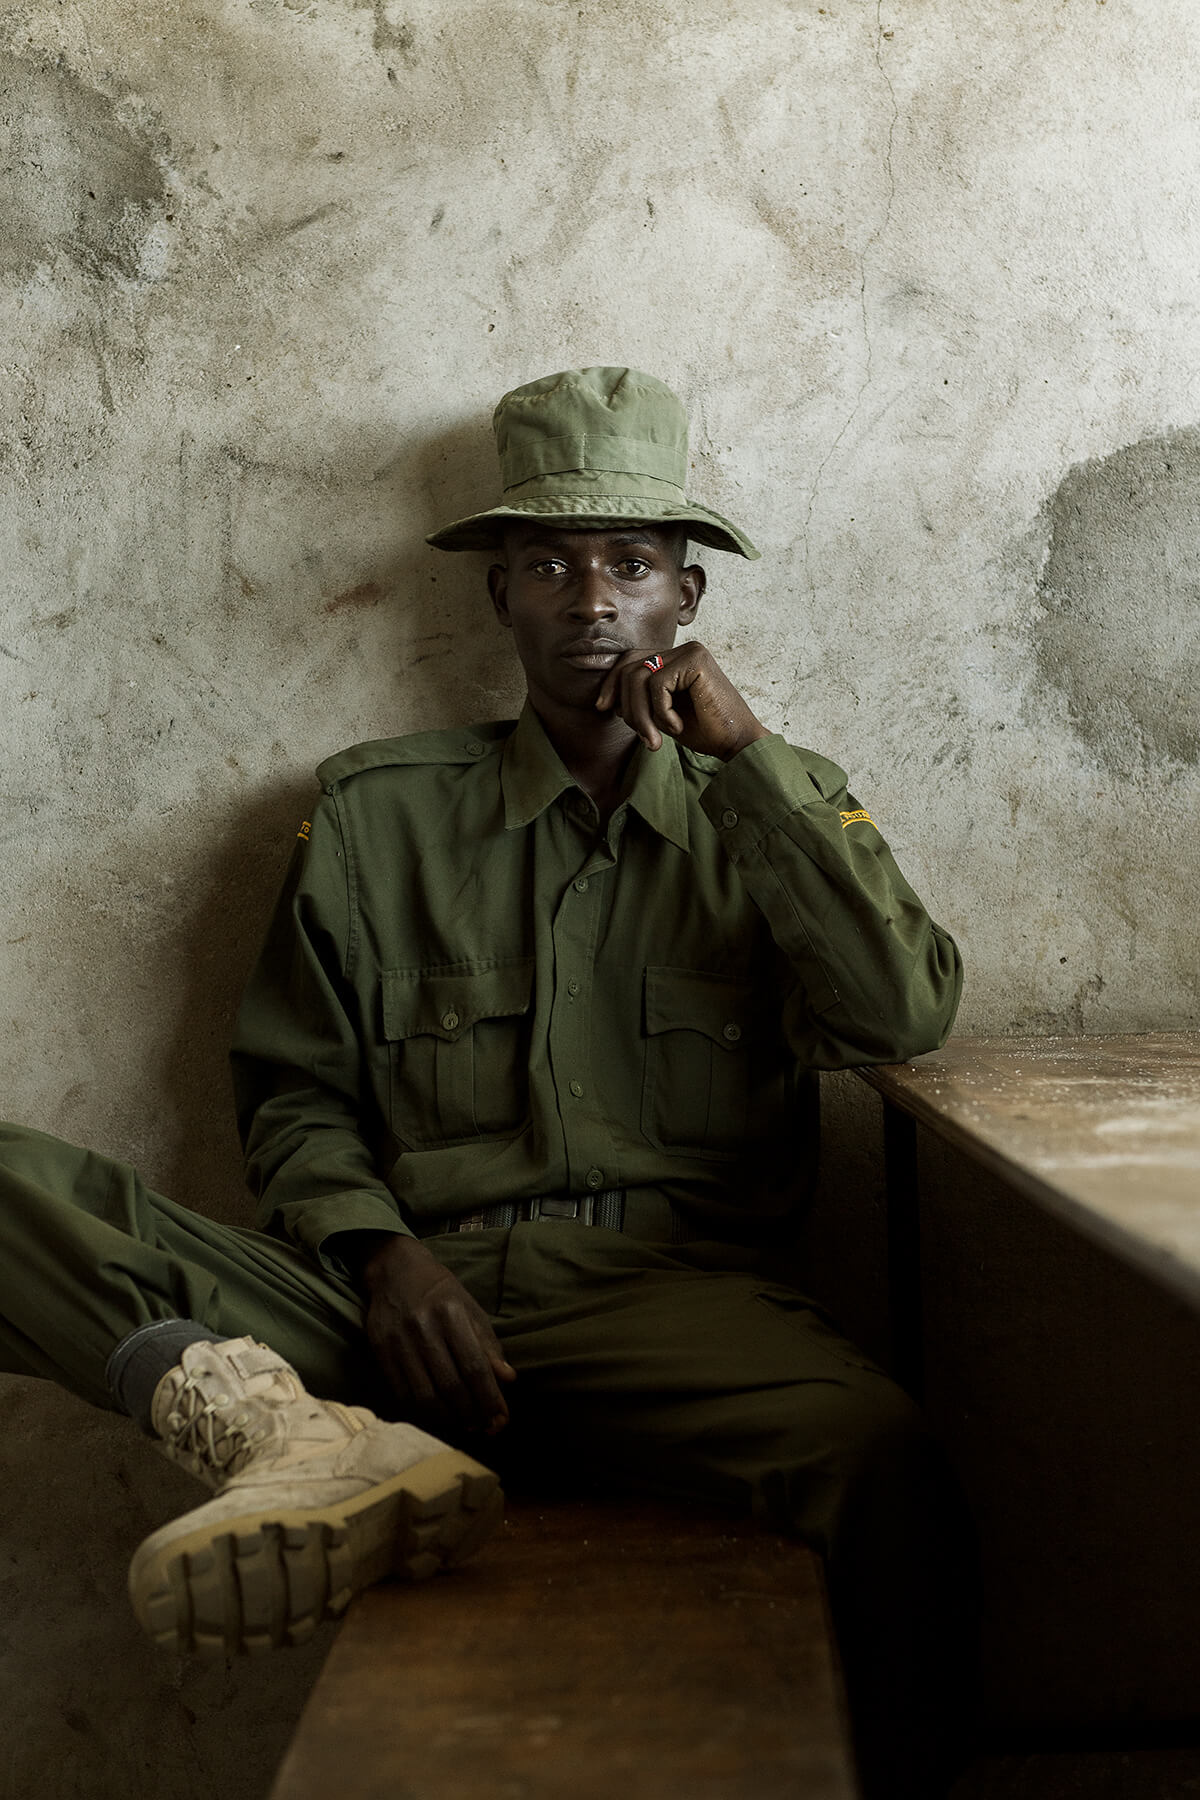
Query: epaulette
{"x":461,"y":744}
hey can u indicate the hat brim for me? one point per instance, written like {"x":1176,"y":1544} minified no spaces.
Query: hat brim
{"x":600,"y":512}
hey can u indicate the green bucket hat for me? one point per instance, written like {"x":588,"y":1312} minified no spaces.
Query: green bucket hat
{"x":592,"y":449}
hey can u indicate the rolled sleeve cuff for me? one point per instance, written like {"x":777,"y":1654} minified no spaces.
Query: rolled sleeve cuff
{"x":324,"y":1219}
{"x":763,"y":785}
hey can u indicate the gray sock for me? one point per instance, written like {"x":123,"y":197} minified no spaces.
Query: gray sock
{"x":141,"y":1359}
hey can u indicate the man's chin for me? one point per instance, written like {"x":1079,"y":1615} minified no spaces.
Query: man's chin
{"x":576,"y":687}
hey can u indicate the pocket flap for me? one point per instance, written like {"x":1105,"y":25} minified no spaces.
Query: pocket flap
{"x":448,"y":1001}
{"x":693,"y":1000}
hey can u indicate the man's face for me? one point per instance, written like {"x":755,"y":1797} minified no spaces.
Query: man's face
{"x":577,"y":601}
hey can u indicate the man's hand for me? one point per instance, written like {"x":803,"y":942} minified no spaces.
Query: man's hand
{"x":688,"y":698}
{"x":433,"y":1341}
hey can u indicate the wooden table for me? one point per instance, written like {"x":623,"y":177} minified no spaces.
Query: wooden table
{"x":1044,"y":1193}
{"x":1103,"y":1132}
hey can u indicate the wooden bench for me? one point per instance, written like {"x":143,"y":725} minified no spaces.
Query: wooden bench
{"x":611,"y":1650}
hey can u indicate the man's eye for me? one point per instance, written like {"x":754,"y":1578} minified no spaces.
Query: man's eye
{"x":633,"y":565}
{"x":550,"y":567}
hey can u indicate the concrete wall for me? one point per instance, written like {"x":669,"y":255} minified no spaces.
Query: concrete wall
{"x":926,"y":276}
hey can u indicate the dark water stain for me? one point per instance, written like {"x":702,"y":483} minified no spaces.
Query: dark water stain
{"x":1119,"y":637}
{"x":73,"y":176}
{"x":391,"y":35}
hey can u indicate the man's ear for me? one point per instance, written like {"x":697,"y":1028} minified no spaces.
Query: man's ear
{"x":692,"y":583}
{"x":497,"y":580}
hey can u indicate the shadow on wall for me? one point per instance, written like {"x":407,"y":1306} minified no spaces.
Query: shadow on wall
{"x":449,"y":672}
{"x":218,"y":951}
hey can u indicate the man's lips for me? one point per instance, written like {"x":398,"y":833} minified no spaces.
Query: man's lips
{"x":593,"y":652}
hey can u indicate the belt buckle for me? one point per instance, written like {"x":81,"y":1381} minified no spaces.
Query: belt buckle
{"x":554,"y":1206}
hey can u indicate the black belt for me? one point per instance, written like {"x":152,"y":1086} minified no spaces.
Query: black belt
{"x":607,"y":1209}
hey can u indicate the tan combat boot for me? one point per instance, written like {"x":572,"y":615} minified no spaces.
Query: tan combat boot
{"x":314,"y":1501}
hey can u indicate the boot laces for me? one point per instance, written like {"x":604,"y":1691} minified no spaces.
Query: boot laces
{"x":203,"y":1434}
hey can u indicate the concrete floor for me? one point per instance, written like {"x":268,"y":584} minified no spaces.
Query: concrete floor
{"x":91,"y":1709}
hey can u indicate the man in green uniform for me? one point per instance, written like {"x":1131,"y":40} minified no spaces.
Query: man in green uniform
{"x":525,"y":1079}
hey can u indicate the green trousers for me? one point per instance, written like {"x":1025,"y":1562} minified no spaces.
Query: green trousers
{"x":648,"y":1366}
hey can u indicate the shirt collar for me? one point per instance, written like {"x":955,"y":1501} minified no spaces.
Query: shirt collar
{"x":532,"y":775}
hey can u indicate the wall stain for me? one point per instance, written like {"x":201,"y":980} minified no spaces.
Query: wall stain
{"x":74,"y":177}
{"x":310,"y":218}
{"x":367,"y":593}
{"x":1073,"y":1018}
{"x":390,"y":35}
{"x":106,"y":393}
{"x":1118,"y":635}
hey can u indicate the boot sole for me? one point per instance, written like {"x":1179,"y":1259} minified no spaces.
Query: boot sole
{"x":268,"y":1578}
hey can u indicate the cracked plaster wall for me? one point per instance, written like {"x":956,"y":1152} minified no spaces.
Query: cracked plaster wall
{"x":926,"y":277}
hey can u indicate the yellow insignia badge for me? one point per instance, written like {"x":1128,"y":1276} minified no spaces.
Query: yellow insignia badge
{"x":852,"y":818}
{"x":305,"y":831}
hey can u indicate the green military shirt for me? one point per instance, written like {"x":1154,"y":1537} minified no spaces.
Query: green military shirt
{"x":473,"y":991}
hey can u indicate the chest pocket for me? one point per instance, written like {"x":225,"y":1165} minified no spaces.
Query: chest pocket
{"x":699,"y":1033}
{"x":458,"y":1048}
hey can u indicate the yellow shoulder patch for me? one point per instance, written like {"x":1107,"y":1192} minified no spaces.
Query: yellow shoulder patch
{"x":852,"y":818}
{"x":305,"y":830}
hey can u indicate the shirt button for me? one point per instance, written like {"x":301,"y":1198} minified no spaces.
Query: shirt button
{"x":595,"y":1178}
{"x":729,"y":818}
{"x":572,"y":987}
{"x":474,"y":748}
{"x":449,"y":1021}
{"x":731,"y":1032}
{"x":581,"y":884}
{"x":577,"y":1089}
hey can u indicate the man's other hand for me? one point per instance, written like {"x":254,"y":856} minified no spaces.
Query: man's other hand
{"x":689,"y":698}
{"x":434,"y":1342}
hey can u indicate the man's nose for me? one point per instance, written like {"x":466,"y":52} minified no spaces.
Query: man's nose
{"x":592,"y":596}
